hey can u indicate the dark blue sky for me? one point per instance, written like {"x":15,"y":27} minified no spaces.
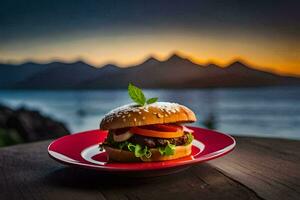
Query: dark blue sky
{"x":35,"y":18}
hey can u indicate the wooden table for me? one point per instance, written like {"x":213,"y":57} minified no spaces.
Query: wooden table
{"x":256,"y":169}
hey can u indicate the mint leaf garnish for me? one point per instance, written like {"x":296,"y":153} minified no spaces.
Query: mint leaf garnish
{"x":152,"y":100}
{"x":137,"y":95}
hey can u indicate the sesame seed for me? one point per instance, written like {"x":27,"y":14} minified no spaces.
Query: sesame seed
{"x":144,"y":118}
{"x":124,"y":120}
{"x":134,"y":119}
{"x":159,"y":115}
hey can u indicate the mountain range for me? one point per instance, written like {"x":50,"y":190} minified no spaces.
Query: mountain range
{"x":175,"y":72}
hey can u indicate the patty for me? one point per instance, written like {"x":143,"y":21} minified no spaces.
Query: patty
{"x":158,"y":142}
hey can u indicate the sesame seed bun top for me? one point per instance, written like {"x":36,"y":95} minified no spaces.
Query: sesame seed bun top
{"x":157,"y":113}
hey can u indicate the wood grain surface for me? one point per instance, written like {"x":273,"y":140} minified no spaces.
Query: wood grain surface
{"x":257,"y":169}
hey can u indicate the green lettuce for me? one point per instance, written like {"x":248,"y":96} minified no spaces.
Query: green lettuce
{"x":190,"y":138}
{"x":139,"y":150}
{"x":168,"y":150}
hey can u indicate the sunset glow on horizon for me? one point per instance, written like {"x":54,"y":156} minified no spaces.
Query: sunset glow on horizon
{"x":125,"y":34}
{"x":131,"y":50}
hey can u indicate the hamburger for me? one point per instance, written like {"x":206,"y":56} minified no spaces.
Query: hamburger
{"x":147,"y":131}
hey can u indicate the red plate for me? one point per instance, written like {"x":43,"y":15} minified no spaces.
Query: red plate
{"x":82,"y":150}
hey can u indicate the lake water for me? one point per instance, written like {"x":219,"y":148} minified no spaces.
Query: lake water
{"x":265,"y":112}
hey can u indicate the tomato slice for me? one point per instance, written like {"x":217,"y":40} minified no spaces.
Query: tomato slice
{"x":168,"y":127}
{"x":159,"y":131}
{"x":163,"y":127}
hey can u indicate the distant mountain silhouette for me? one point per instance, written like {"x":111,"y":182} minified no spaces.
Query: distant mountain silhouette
{"x":175,"y":72}
{"x":11,"y":74}
{"x":62,"y":75}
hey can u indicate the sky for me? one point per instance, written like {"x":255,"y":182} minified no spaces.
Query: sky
{"x":265,"y":34}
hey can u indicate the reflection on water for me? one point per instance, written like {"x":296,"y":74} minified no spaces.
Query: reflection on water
{"x":273,"y":111}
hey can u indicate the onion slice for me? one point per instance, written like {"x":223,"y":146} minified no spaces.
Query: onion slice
{"x":185,"y":129}
{"x":122,"y":137}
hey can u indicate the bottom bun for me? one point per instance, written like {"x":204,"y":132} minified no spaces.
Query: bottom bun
{"x":127,"y":156}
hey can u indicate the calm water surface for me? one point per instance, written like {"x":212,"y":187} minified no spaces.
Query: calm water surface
{"x":266,"y":112}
